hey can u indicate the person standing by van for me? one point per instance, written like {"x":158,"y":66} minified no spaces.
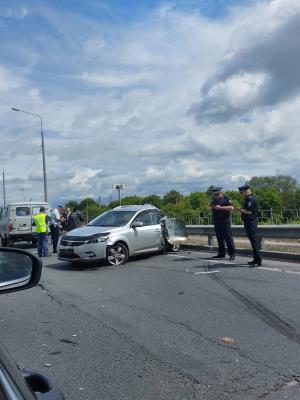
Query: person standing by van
{"x":55,"y":226}
{"x":41,"y":222}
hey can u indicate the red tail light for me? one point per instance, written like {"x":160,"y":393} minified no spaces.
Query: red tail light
{"x":10,"y":227}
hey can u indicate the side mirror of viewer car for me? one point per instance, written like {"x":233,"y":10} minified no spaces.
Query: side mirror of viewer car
{"x":21,"y":270}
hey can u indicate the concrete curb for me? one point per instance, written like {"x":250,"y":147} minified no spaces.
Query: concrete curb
{"x":272,"y":255}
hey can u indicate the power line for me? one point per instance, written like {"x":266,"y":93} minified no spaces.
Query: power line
{"x":36,"y":156}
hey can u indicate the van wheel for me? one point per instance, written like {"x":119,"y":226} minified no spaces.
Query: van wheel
{"x":117,"y":254}
{"x":3,"y":241}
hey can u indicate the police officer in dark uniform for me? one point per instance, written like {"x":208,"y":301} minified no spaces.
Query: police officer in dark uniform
{"x":249,"y":214}
{"x":221,"y":208}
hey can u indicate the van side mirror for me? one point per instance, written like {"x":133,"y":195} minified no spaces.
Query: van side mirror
{"x":19,"y":270}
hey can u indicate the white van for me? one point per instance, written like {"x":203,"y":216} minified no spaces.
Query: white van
{"x":16,"y":222}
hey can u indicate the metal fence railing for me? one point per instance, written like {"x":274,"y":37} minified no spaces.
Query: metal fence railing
{"x":263,"y":232}
{"x":266,"y":217}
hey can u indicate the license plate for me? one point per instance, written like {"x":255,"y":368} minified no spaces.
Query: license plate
{"x":66,"y":252}
{"x":23,"y":228}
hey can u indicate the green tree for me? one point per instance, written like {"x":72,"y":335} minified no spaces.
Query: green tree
{"x":90,"y":208}
{"x":113,"y":204}
{"x":269,"y":198}
{"x":199,"y":200}
{"x":130,"y":200}
{"x":234,"y":196}
{"x":172,"y":197}
{"x":87,"y":201}
{"x":72,"y":204}
{"x":153,"y":199}
{"x":282,"y":183}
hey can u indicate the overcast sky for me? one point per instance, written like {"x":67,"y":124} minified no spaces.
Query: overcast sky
{"x":157,"y":95}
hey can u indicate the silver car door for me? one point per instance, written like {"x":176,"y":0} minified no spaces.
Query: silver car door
{"x":144,"y":238}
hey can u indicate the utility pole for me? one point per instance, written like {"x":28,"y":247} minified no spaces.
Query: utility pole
{"x":43,"y":150}
{"x":4,"y":195}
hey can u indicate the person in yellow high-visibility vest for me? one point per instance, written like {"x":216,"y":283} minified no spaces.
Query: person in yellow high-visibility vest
{"x":41,"y":222}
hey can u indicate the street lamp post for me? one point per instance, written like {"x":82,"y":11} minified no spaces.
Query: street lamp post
{"x":43,"y":150}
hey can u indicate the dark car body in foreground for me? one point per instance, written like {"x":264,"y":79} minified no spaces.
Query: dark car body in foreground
{"x":21,"y":270}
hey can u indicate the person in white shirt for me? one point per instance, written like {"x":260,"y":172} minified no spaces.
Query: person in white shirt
{"x":57,"y":219}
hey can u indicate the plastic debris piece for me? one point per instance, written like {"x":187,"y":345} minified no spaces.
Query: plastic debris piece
{"x":227,"y":340}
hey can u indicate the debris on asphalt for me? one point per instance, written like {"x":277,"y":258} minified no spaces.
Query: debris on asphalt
{"x":227,"y":340}
{"x":68,"y":341}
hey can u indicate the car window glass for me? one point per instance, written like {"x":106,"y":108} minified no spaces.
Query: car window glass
{"x":156,"y":217}
{"x":113,"y":218}
{"x":35,"y":210}
{"x":22,"y":211}
{"x":145,"y":218}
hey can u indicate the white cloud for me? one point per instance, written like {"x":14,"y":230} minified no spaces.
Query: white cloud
{"x":116,"y":100}
{"x":8,"y":81}
{"x":82,"y":176}
{"x":13,"y":13}
{"x":117,"y":78}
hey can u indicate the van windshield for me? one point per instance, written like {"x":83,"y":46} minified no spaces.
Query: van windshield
{"x":113,"y":218}
{"x":22,"y":211}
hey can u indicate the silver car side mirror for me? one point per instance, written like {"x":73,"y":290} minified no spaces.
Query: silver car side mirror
{"x":136,"y":224}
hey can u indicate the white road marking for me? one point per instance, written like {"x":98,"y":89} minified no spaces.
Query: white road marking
{"x":203,"y":259}
{"x":206,"y":272}
{"x":218,"y":262}
{"x":231,"y":263}
{"x":175,"y":255}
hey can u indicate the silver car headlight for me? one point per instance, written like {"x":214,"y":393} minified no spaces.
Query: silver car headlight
{"x":101,"y":237}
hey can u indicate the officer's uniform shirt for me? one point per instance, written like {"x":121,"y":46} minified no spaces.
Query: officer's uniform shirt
{"x":220,"y":214}
{"x":250,"y":204}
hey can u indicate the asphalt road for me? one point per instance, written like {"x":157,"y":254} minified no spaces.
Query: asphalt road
{"x":166,"y":327}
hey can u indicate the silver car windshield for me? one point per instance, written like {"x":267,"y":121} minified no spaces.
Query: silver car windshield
{"x":113,"y":218}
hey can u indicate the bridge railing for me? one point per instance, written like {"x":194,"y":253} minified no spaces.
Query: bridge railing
{"x":263,"y":232}
{"x":266,"y":217}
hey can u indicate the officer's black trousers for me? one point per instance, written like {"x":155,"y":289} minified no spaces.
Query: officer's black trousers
{"x":54,"y":229}
{"x":251,"y":228}
{"x":224,"y":235}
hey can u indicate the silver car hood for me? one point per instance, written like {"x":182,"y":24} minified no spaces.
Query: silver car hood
{"x":87,"y":231}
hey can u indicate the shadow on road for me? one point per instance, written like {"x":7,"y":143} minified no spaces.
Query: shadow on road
{"x":67,"y":266}
{"x":221,"y":266}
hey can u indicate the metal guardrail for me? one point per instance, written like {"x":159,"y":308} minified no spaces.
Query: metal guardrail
{"x":270,"y":216}
{"x":263,"y":232}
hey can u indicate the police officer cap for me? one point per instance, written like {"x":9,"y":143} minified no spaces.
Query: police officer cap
{"x":216,"y":189}
{"x":244,"y":187}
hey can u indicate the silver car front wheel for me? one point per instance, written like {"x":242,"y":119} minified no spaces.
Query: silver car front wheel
{"x":117,"y":254}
